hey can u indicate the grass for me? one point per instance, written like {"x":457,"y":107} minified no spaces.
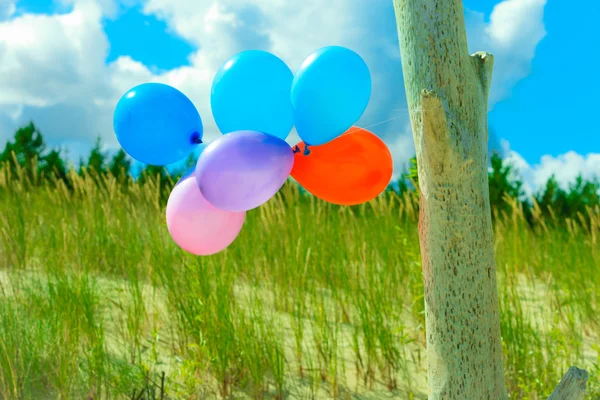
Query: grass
{"x":311,"y":301}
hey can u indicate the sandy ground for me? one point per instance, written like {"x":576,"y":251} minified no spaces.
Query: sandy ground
{"x":533,"y":298}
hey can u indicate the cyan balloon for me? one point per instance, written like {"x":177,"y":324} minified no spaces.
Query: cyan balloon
{"x":330,"y":92}
{"x":251,"y":91}
{"x":240,"y":171}
{"x":157,"y":124}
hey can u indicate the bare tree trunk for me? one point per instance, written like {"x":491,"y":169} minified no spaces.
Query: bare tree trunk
{"x":447,"y":92}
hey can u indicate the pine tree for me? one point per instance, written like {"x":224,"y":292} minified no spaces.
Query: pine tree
{"x":502,"y":183}
{"x":52,"y":167}
{"x":24,"y":152}
{"x":96,"y":163}
{"x":120,"y":165}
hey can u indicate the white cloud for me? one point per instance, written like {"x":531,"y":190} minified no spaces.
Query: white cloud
{"x":48,"y":60}
{"x":52,"y":67}
{"x":515,"y":29}
{"x":565,"y":168}
{"x":517,"y":21}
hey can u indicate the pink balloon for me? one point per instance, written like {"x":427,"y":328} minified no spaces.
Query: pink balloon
{"x":197,"y":226}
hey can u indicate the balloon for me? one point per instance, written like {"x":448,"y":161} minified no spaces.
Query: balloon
{"x":157,"y":124}
{"x":197,"y":226}
{"x":329,"y":94}
{"x":251,"y":91}
{"x":241,"y":170}
{"x":352,"y":169}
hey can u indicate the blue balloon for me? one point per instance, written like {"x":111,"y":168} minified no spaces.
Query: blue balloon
{"x":251,"y":91}
{"x":157,"y":124}
{"x":330,"y":92}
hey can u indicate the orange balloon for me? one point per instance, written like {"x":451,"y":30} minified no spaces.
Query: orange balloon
{"x":352,"y":169}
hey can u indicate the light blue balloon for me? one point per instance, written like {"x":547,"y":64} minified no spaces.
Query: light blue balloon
{"x":330,"y":92}
{"x":157,"y":124}
{"x":251,"y":91}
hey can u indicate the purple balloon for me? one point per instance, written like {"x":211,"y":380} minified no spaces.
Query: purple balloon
{"x":241,"y":170}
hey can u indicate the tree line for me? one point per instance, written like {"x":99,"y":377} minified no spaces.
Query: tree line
{"x":579,"y":202}
{"x":27,"y":155}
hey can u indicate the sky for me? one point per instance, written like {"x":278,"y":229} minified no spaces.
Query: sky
{"x":64,"y":64}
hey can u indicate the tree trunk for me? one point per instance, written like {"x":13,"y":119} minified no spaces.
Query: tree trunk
{"x":447,"y":92}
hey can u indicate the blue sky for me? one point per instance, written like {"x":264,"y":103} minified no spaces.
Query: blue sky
{"x":542,"y":95}
{"x":549,"y":110}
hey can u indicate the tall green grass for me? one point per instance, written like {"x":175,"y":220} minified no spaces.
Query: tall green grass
{"x":311,"y":301}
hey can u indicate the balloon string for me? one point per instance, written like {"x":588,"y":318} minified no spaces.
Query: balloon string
{"x":383,"y":122}
{"x":307,"y":151}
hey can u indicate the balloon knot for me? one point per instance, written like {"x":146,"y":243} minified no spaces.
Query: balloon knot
{"x":196,"y":138}
{"x":296,"y":149}
{"x":306,"y":150}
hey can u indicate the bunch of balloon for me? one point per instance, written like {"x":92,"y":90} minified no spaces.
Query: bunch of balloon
{"x":255,"y":101}
{"x":242,"y":169}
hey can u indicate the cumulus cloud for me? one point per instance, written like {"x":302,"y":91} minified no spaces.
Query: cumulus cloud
{"x":54,"y":61}
{"x":565,"y":168}
{"x":512,"y":34}
{"x":53,"y":71}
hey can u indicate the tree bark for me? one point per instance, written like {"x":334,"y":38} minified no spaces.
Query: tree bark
{"x":447,"y":93}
